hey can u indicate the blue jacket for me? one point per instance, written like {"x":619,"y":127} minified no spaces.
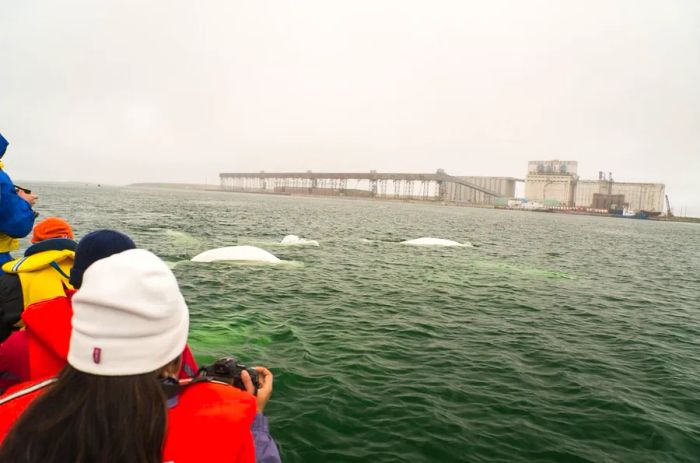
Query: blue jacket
{"x":16,"y":215}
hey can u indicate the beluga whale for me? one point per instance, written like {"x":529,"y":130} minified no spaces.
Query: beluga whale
{"x":428,"y":241}
{"x":294,"y":240}
{"x":237,"y":254}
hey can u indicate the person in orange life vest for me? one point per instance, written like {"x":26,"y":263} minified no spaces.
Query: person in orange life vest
{"x":130,"y":324}
{"x":41,"y":349}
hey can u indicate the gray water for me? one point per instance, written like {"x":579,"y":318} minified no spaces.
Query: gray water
{"x":554,"y":339}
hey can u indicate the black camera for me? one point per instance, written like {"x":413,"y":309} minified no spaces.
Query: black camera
{"x":228,"y":370}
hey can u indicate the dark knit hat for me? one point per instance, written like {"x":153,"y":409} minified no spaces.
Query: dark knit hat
{"x":95,"y":246}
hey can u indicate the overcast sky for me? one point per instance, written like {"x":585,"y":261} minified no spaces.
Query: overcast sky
{"x":127,"y":91}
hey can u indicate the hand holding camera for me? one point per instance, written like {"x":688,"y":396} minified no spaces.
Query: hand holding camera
{"x":27,"y":195}
{"x":257,"y":381}
{"x":263,"y":388}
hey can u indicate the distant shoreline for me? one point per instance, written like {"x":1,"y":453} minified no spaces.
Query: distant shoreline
{"x":215,"y":188}
{"x":178,"y":186}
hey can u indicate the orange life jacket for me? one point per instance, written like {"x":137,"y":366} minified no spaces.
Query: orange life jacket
{"x":207,"y":416}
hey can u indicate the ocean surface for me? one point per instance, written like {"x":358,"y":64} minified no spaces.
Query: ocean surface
{"x":554,"y":338}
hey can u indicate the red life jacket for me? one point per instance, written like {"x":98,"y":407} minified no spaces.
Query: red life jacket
{"x":12,"y":408}
{"x":208,"y":417}
{"x":48,"y":326}
{"x":40,"y":350}
{"x":14,"y":360}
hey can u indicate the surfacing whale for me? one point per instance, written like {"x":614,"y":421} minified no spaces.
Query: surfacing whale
{"x":428,"y":241}
{"x":294,"y":240}
{"x":236,"y":253}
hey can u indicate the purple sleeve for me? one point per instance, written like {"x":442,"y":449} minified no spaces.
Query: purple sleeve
{"x":265,"y":447}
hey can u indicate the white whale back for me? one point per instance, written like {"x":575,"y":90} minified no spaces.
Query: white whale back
{"x":236,"y":253}
{"x":428,"y":241}
{"x":294,"y":240}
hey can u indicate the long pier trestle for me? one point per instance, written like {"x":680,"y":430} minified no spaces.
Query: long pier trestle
{"x":426,"y":187}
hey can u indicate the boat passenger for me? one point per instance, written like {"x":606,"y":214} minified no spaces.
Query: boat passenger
{"x":108,"y":403}
{"x":40,"y":350}
{"x":16,"y":214}
{"x":40,"y":275}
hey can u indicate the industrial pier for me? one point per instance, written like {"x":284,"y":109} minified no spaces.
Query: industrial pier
{"x":549,"y":185}
{"x":427,"y":187}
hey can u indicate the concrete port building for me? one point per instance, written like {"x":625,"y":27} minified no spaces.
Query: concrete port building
{"x":556,"y":183}
{"x":551,"y":182}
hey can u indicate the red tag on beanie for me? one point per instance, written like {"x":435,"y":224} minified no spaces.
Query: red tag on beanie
{"x":96,"y":354}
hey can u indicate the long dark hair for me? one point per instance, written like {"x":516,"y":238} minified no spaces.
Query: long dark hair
{"x":87,"y":418}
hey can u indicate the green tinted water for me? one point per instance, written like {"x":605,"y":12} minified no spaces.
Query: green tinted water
{"x":555,"y":339}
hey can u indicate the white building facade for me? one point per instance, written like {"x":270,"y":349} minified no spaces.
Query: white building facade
{"x":638,"y":196}
{"x":557,"y":182}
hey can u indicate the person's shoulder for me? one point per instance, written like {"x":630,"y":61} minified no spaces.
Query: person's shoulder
{"x":207,"y":412}
{"x":57,"y":308}
{"x":17,"y":398}
{"x":6,"y":185}
{"x":9,"y":281}
{"x":215,"y":393}
{"x":211,"y":398}
{"x":10,"y":290}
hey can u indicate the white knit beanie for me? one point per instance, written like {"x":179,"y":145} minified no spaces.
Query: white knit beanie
{"x":129,"y":316}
